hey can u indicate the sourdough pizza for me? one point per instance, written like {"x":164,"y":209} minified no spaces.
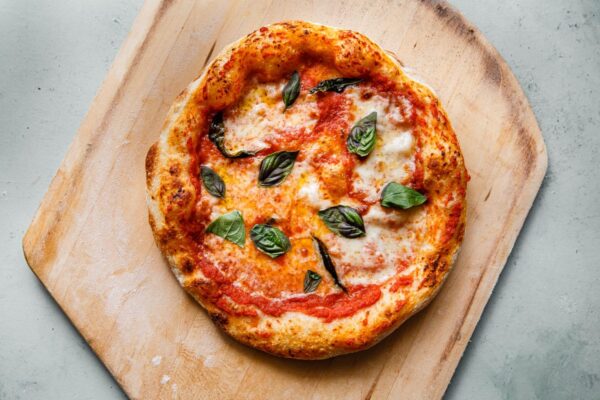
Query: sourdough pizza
{"x":307,"y":191}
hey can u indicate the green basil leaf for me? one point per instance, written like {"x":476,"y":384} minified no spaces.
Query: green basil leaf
{"x":343,"y":220}
{"x":212,"y":182}
{"x":229,"y":226}
{"x":291,"y":90}
{"x":269,"y":240}
{"x":335,"y":85}
{"x":311,"y":281}
{"x":396,"y":195}
{"x":328,"y":263}
{"x":275,"y":167}
{"x":363,"y":135}
{"x":216,"y":134}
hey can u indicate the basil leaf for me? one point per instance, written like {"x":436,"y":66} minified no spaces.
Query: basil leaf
{"x":334,"y":85}
{"x":229,"y":226}
{"x":216,"y":134}
{"x":212,"y":182}
{"x":291,"y":90}
{"x":343,"y":220}
{"x":328,"y":263}
{"x":363,"y":135}
{"x":311,"y":281}
{"x":398,"y":196}
{"x":270,"y":240}
{"x":275,"y":167}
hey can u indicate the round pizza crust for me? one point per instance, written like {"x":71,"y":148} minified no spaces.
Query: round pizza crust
{"x":180,"y":208}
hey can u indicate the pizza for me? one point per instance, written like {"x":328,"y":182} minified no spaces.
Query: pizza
{"x":308,"y":191}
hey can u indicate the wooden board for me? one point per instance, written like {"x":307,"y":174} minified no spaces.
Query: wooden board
{"x":91,"y":246}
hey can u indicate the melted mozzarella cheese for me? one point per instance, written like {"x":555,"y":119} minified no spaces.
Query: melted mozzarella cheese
{"x":372,"y":257}
{"x":375,"y":256}
{"x":401,"y":144}
{"x":259,"y":116}
{"x":311,"y":192}
{"x":384,"y":217}
{"x":391,"y":159}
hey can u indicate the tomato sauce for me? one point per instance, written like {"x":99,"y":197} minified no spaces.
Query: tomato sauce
{"x":329,"y":307}
{"x":401,"y":281}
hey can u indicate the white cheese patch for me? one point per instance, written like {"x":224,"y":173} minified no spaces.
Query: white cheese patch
{"x":399,"y":145}
{"x":391,"y":159}
{"x":380,"y":217}
{"x":374,"y":249}
{"x":259,"y":116}
{"x":375,"y":256}
{"x":310,"y":191}
{"x":165,"y":379}
{"x":211,"y":202}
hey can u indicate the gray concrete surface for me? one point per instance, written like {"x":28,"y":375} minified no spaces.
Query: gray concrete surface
{"x":539,"y":337}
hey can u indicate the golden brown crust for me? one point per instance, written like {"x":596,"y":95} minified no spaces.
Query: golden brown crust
{"x":268,"y":54}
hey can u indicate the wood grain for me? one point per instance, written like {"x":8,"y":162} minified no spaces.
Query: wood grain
{"x":91,"y":246}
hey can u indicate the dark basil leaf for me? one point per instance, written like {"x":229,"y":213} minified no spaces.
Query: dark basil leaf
{"x":291,"y":90}
{"x":344,"y":221}
{"x":270,"y":240}
{"x":275,"y":167}
{"x":335,"y":85}
{"x":212,"y":182}
{"x":328,"y":263}
{"x":398,"y":196}
{"x":229,"y":226}
{"x":216,"y":134}
{"x":311,"y":281}
{"x":363,"y":135}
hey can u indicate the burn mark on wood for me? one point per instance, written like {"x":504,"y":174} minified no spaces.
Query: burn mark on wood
{"x":441,"y":10}
{"x":210,"y":52}
{"x":491,"y":68}
{"x":487,"y":196}
{"x":526,"y":144}
{"x":371,"y":390}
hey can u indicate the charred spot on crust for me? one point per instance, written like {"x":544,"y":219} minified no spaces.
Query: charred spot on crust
{"x":187,"y":266}
{"x":180,"y":194}
{"x":166,"y":235}
{"x":366,"y":95}
{"x":151,"y":157}
{"x":434,"y":271}
{"x":219,"y":319}
{"x":174,"y":169}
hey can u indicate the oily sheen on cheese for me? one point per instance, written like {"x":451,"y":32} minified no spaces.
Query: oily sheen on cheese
{"x":259,"y":116}
{"x":374,"y":281}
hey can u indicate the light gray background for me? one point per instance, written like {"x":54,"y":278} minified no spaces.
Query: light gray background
{"x":539,"y":336}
